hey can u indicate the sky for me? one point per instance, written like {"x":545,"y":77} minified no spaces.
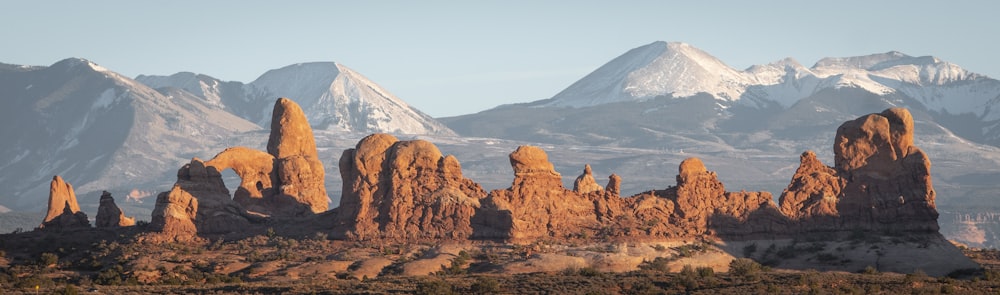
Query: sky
{"x":450,"y":58}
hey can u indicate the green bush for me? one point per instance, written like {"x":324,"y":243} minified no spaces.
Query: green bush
{"x":47,"y":259}
{"x":745,"y":268}
{"x":485,"y":285}
{"x":658,"y":264}
{"x":434,"y":287}
{"x":589,"y":272}
{"x":706,"y":272}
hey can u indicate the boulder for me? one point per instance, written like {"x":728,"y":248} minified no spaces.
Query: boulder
{"x":109,"y":215}
{"x":63,"y":211}
{"x":404,"y":190}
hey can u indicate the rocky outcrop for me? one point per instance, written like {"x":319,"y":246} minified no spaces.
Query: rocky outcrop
{"x":404,"y":190}
{"x":109,"y":215}
{"x":614,"y":184}
{"x":880,"y":181}
{"x":287,"y":181}
{"x":586,"y":183}
{"x":703,"y":206}
{"x":298,"y":170}
{"x":256,"y":171}
{"x":536,"y":205}
{"x":64,"y":211}
{"x":199,"y":203}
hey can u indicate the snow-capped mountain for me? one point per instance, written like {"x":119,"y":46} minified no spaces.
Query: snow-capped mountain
{"x":100,"y":131}
{"x":333,"y":96}
{"x":678,"y":70}
{"x":653,"y":70}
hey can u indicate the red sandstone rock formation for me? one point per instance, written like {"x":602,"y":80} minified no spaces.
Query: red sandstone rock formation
{"x":881,"y":181}
{"x":298,"y":171}
{"x":256,"y":171}
{"x":585,"y":183}
{"x":199,"y":203}
{"x":404,"y":190}
{"x":64,"y":211}
{"x":536,"y":205}
{"x":614,"y":184}
{"x":109,"y":215}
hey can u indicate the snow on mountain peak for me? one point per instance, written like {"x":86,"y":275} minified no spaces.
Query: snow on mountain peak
{"x":336,"y":97}
{"x":681,"y":70}
{"x":656,"y":69}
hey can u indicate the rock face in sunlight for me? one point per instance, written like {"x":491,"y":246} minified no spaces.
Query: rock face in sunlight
{"x":586,"y":183}
{"x":199,"y":203}
{"x":298,"y":170}
{"x":880,"y":182}
{"x":287,"y":181}
{"x":109,"y":215}
{"x":256,"y":171}
{"x":64,"y":211}
{"x":536,"y":205}
{"x":404,"y":190}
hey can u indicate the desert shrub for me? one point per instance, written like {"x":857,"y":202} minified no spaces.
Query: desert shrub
{"x":688,"y":271}
{"x":589,"y":272}
{"x":915,"y":276}
{"x":745,"y":268}
{"x":706,"y":272}
{"x":47,"y":259}
{"x":111,"y":276}
{"x":434,"y":287}
{"x":658,"y":264}
{"x":69,"y":290}
{"x":659,"y":248}
{"x":485,"y":285}
{"x":870,"y":270}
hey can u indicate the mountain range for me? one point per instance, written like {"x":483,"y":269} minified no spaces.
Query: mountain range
{"x":638,"y":116}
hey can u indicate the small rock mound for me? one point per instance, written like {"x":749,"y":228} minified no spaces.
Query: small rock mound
{"x":64,"y":211}
{"x":109,"y":215}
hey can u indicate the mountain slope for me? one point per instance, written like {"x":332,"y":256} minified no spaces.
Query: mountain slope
{"x":333,"y":96}
{"x":99,"y":130}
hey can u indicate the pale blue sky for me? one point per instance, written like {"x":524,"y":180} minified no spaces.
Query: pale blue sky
{"x":456,"y":57}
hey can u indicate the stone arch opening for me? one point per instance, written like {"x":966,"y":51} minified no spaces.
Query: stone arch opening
{"x":232,"y":181}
